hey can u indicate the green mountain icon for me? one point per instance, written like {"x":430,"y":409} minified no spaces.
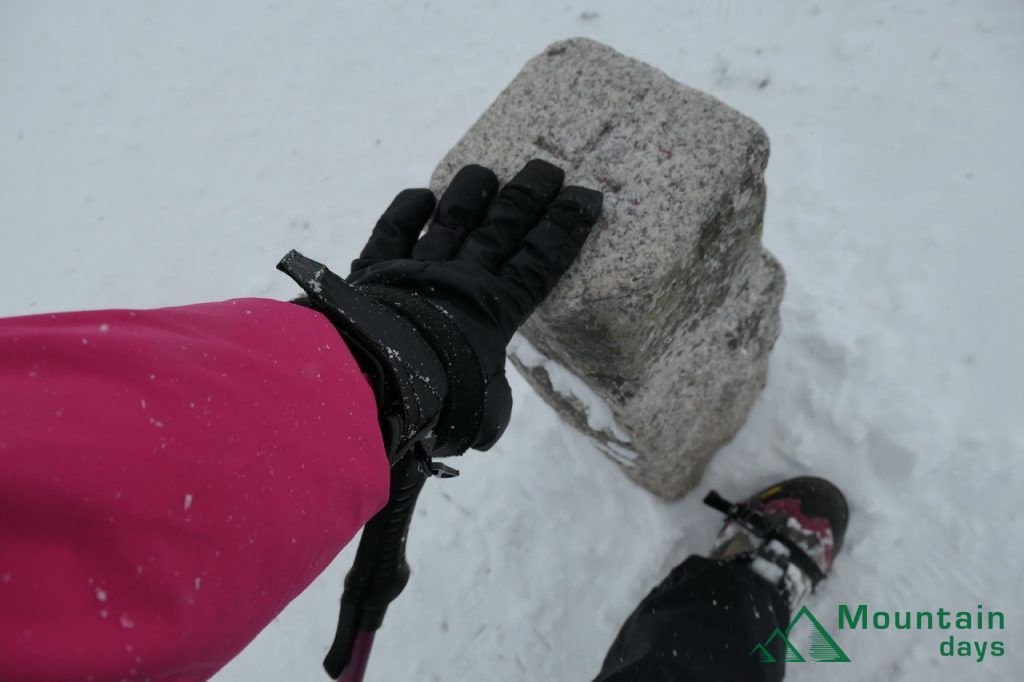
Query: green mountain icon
{"x":792,"y":655}
{"x":824,"y":649}
{"x":762,"y":654}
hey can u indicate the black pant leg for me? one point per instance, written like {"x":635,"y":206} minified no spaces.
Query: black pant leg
{"x":699,"y":625}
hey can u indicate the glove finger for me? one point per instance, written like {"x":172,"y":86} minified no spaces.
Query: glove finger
{"x":519,"y":205}
{"x":550,"y":248}
{"x":461,"y":210}
{"x":397,"y":230}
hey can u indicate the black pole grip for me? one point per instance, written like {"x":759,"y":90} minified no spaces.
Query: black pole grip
{"x":380,"y":571}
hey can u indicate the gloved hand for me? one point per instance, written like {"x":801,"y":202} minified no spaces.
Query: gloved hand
{"x":428,"y":318}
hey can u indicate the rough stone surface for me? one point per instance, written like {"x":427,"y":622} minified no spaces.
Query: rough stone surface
{"x":666,"y":321}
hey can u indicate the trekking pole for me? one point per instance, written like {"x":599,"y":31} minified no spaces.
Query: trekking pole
{"x":380,"y":571}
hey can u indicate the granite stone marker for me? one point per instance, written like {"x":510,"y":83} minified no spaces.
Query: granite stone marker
{"x":656,"y":342}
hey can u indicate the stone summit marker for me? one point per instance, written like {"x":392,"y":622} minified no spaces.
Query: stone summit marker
{"x":656,"y":342}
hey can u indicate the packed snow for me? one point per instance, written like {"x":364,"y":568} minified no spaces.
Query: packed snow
{"x":170,"y":152}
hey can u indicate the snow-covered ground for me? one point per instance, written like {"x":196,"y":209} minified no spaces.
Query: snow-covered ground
{"x":164,"y":153}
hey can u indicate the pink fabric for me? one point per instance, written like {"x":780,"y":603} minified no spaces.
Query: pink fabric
{"x":169,"y":480}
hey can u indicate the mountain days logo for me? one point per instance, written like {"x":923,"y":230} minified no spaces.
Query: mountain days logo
{"x":823,"y":648}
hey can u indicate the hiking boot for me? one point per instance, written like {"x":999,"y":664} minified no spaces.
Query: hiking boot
{"x":788,"y":533}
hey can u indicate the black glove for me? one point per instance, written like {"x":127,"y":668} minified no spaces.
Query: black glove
{"x":428,"y":318}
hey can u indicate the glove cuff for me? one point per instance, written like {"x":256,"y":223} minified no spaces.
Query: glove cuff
{"x":409,"y":380}
{"x":477,"y":407}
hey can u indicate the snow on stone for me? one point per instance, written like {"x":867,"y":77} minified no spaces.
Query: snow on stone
{"x":619,"y":453}
{"x":599,"y":414}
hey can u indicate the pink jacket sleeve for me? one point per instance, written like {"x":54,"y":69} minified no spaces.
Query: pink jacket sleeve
{"x":169,"y":480}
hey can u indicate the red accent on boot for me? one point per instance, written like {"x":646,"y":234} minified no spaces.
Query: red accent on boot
{"x":790,"y":507}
